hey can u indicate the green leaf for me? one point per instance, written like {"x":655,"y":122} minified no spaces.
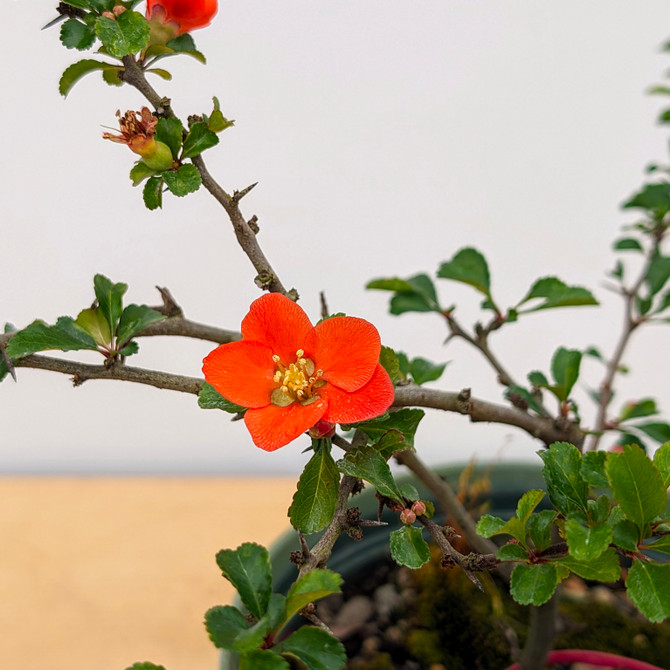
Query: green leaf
{"x":388,"y":359}
{"x":626,"y":534}
{"x":123,"y":36}
{"x":587,"y":544}
{"x":527,"y":504}
{"x":110,"y":299}
{"x":628,"y":244}
{"x":416,"y":294}
{"x":593,"y":469}
{"x":636,"y":484}
{"x":566,"y":488}
{"x":163,"y":74}
{"x":145,"y":666}
{"x":658,"y":273}
{"x":315,"y":648}
{"x":129,"y":349}
{"x":552,"y":292}
{"x":469,"y":267}
{"x":135,"y":318}
{"x":111,"y":76}
{"x":539,"y":528}
{"x":210,"y":398}
{"x":76,"y":71}
{"x":489,"y":525}
{"x":183,"y":181}
{"x":654,"y":198}
{"x":76,"y":35}
{"x":169,"y":131}
{"x":315,"y":499}
{"x":662,"y":462}
{"x":248,"y":569}
{"x":94,"y":323}
{"x":605,"y":569}
{"x":153,"y":193}
{"x":184,"y":44}
{"x":199,"y":138}
{"x":262,"y":659}
{"x":565,"y":370}
{"x":65,"y":335}
{"x":648,"y":587}
{"x":599,"y":509}
{"x":390,"y":442}
{"x":368,"y":464}
{"x":217,"y":122}
{"x":662,"y":545}
{"x":405,"y":420}
{"x":423,"y":370}
{"x":252,"y":637}
{"x":638,"y":409}
{"x":139,"y":172}
{"x":516,"y":528}
{"x":408,"y":547}
{"x":656,"y":430}
{"x":224,"y":624}
{"x":526,"y":395}
{"x":512,"y":552}
{"x":533,"y":584}
{"x":311,"y":587}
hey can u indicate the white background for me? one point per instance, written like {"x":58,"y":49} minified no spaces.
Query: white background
{"x":385,"y":136}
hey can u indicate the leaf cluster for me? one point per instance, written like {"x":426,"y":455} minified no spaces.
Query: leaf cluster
{"x":603,"y":506}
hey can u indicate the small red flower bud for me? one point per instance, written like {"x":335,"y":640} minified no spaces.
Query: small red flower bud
{"x":419,"y":507}
{"x":322,"y":429}
{"x":407,"y":517}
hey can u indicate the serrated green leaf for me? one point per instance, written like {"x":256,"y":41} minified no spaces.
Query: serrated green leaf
{"x":389,"y":443}
{"x":638,"y":409}
{"x":145,"y":666}
{"x":599,"y":509}
{"x":587,"y":544}
{"x":184,"y":44}
{"x":405,"y":420}
{"x":223,"y":624}
{"x":388,"y":359}
{"x":469,"y":267}
{"x":262,"y":659}
{"x":648,"y":587}
{"x":368,"y":464}
{"x":75,"y":34}
{"x":210,"y":398}
{"x":654,"y":198}
{"x":516,"y":529}
{"x":627,"y":244}
{"x":315,"y":499}
{"x":662,"y":544}
{"x":248,"y":569}
{"x":139,"y":172}
{"x":423,"y":370}
{"x":169,"y":131}
{"x":315,"y":648}
{"x":199,"y":138}
{"x":626,"y":534}
{"x":533,"y":584}
{"x":636,"y":484}
{"x":662,"y":462}
{"x":593,"y":469}
{"x":76,"y":71}
{"x":408,"y":547}
{"x":135,"y":318}
{"x":605,"y":569}
{"x":123,"y":36}
{"x":512,"y":552}
{"x":94,"y":323}
{"x":65,"y":335}
{"x":539,"y":528}
{"x":489,"y":525}
{"x":253,"y":637}
{"x":153,"y":193}
{"x":527,"y":504}
{"x":409,"y":492}
{"x":130,"y":349}
{"x":552,"y":292}
{"x":311,"y":587}
{"x":110,"y":299}
{"x":566,"y":488}
{"x":416,"y":294}
{"x":111,"y":76}
{"x":184,"y":180}
{"x":656,"y":430}
{"x":565,"y":370}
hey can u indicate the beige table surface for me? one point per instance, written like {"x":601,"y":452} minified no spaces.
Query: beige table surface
{"x":97,"y":573}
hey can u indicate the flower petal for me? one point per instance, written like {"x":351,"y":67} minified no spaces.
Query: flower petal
{"x":241,"y":372}
{"x":278,"y":322}
{"x":272,"y":427}
{"x":366,"y":403}
{"x":346,"y":349}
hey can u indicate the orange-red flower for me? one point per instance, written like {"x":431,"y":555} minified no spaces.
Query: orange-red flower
{"x":291,"y":375}
{"x":186,"y":14}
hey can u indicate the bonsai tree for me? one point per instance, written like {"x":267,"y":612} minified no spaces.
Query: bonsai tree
{"x":286,"y":373}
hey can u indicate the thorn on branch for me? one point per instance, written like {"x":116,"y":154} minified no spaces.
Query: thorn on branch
{"x":324,"y":305}
{"x":238,"y":195}
{"x":8,"y":362}
{"x":170,"y":306}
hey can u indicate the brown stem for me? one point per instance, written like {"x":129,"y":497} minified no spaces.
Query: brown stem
{"x":185,"y":328}
{"x":540,"y":635}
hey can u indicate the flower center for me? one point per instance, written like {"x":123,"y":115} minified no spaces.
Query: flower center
{"x":297,"y":382}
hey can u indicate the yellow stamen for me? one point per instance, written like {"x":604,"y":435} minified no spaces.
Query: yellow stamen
{"x":298,"y":381}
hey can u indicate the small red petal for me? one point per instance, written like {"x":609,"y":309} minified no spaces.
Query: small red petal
{"x":346,"y":349}
{"x":277,"y":322}
{"x":241,"y":372}
{"x":273,"y":427}
{"x":366,"y":403}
